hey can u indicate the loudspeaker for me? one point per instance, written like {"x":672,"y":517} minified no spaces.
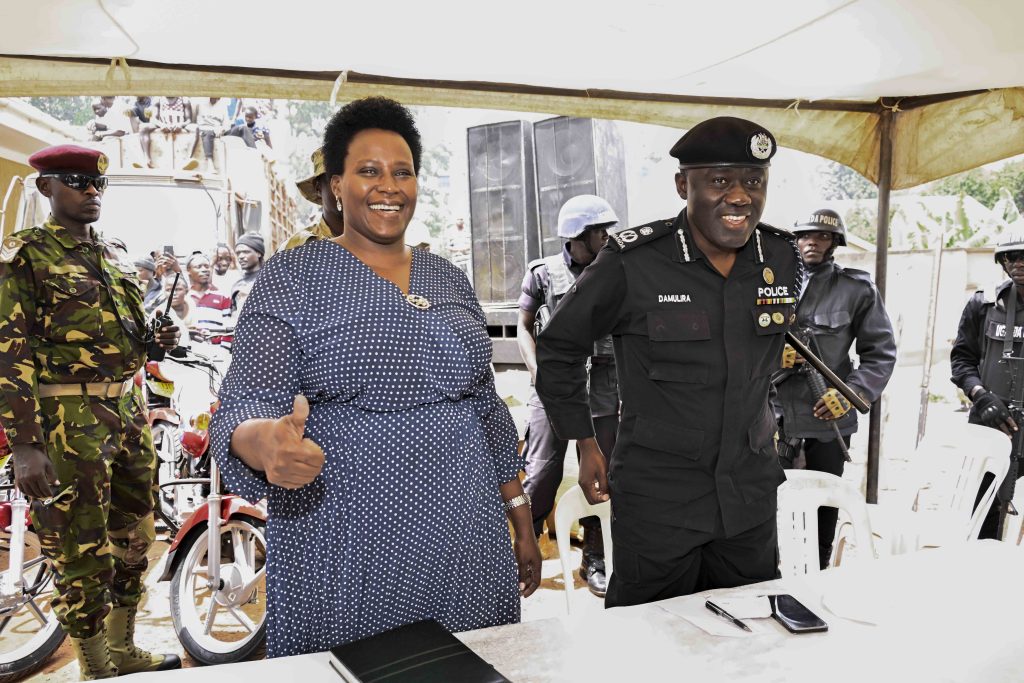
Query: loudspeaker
{"x":577,"y":156}
{"x":502,"y":208}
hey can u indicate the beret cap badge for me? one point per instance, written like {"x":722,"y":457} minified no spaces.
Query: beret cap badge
{"x":761,"y":146}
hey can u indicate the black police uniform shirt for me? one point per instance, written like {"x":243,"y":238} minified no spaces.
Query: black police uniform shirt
{"x":695,"y":352}
{"x":539,"y":289}
{"x":840,"y":307}
{"x":974,"y":358}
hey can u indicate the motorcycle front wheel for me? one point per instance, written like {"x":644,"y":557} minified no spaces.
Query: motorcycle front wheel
{"x":228,"y":624}
{"x":29,"y":631}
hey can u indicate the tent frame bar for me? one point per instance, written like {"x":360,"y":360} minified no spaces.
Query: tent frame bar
{"x":904,"y":103}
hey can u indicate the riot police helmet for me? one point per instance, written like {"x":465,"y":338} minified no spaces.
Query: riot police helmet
{"x":823,"y":220}
{"x":1009,"y":244}
{"x":582,"y":212}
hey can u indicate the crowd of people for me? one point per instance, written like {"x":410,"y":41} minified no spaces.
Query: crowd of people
{"x":205,"y":291}
{"x":360,"y":402}
{"x":203,"y":119}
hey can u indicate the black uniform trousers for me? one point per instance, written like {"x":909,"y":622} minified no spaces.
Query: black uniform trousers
{"x":678,"y":561}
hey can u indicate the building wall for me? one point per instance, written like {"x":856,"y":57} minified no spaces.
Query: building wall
{"x":907,"y":296}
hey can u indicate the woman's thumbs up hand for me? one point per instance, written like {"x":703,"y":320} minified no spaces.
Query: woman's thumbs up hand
{"x":291,"y":460}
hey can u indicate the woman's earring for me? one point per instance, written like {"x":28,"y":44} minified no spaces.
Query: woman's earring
{"x":337,"y":203}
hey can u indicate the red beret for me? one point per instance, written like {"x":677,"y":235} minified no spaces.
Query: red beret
{"x":69,"y":159}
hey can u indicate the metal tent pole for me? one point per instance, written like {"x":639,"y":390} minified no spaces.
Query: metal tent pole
{"x":885,"y":124}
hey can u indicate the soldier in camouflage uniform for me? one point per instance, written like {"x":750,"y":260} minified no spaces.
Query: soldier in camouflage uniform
{"x":72,"y":335}
{"x":317,"y":189}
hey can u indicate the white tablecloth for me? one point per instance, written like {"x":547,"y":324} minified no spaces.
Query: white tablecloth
{"x":951,"y":614}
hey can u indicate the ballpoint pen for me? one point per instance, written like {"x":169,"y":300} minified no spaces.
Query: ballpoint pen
{"x":725,"y":615}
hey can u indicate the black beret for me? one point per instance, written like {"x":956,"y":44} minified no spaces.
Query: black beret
{"x":69,"y":159}
{"x":725,"y":141}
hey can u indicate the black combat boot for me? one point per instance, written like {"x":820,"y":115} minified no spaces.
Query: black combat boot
{"x":592,"y":566}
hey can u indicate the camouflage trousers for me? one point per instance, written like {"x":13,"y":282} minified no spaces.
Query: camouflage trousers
{"x":97,"y":533}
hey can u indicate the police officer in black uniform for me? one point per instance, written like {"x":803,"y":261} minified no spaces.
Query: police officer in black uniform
{"x":697,"y":308}
{"x":583,"y":222}
{"x":838,"y":307}
{"x":976,"y":358}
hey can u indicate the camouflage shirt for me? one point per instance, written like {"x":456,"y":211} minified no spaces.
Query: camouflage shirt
{"x":59,"y":323}
{"x":317,"y":231}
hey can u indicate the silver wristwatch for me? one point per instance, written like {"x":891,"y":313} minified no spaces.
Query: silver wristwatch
{"x":521,"y":499}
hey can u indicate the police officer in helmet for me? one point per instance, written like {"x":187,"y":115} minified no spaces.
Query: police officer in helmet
{"x":583,"y":222}
{"x":976,"y":356}
{"x":839,"y":309}
{"x":697,"y":307}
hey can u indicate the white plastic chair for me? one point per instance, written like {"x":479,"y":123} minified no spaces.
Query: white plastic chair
{"x":799,"y":498}
{"x":571,"y":506}
{"x":948,"y":474}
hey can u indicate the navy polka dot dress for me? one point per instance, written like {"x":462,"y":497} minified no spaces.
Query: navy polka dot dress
{"x":405,"y":522}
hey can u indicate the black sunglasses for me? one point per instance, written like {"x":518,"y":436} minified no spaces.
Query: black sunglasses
{"x":79,"y":181}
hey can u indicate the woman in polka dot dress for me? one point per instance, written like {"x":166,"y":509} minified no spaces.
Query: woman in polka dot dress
{"x":361,"y":403}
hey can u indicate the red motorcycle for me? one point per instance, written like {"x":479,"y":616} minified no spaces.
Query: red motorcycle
{"x":217,"y":560}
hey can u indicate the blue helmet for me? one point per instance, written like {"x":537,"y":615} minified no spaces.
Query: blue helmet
{"x":584,"y":211}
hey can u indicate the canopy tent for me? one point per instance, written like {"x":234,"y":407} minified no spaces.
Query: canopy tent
{"x":902,"y":92}
{"x":819,"y":73}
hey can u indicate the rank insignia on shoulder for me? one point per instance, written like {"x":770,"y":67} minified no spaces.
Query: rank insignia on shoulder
{"x":776,"y":231}
{"x":630,"y":237}
{"x":9,"y":249}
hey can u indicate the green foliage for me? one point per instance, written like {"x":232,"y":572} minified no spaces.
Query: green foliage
{"x":837,"y":181}
{"x":434,"y":191}
{"x":985,"y":184}
{"x":861,"y":222}
{"x":74,"y":110}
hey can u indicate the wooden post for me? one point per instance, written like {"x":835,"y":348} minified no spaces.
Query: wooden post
{"x":885,"y":124}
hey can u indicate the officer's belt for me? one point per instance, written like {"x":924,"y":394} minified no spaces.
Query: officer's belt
{"x":98,"y":389}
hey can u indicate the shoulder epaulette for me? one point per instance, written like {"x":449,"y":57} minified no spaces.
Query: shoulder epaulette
{"x":10,"y":247}
{"x":990,"y":294}
{"x":117,"y":244}
{"x":634,"y":237}
{"x":535,"y":263}
{"x":857,"y":274}
{"x":776,"y":231}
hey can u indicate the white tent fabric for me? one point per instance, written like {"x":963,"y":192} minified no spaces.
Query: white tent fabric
{"x":818,"y":73}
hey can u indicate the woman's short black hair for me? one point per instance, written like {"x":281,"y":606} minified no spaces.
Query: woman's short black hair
{"x":360,"y":115}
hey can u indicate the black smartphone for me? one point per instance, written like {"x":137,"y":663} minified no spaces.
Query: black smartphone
{"x":794,"y":616}
{"x":169,"y":249}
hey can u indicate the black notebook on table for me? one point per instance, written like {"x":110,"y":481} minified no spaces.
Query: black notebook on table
{"x":423,"y":652}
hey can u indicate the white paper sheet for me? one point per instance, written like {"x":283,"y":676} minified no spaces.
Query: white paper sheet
{"x":694,"y":611}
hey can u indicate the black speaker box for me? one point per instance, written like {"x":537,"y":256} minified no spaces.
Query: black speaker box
{"x":502,"y":208}
{"x":577,"y":156}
